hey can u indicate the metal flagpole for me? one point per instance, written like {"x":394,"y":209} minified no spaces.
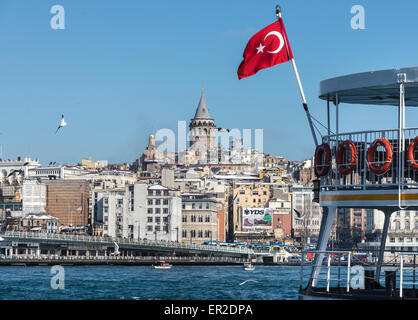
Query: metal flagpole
{"x":305,"y":105}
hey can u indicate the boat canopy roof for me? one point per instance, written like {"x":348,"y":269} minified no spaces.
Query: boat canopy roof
{"x":373,"y":88}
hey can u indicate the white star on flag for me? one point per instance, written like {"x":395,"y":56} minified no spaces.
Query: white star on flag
{"x":260,"y":48}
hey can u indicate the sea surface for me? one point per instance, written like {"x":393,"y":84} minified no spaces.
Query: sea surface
{"x":145,"y":283}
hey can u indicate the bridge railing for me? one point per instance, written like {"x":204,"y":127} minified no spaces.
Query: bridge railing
{"x":49,"y":257}
{"x":122,"y":241}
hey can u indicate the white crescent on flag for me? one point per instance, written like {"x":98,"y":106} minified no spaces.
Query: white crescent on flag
{"x":281,"y":39}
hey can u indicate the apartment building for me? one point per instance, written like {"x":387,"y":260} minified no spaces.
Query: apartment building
{"x":199,"y":217}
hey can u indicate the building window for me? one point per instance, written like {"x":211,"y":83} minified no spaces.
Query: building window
{"x":200,"y":206}
{"x":407,"y":225}
{"x":157,"y":228}
{"x":184,"y":234}
{"x":200,"y":219}
{"x":157,"y":201}
{"x":193,"y":218}
{"x":192,"y":233}
{"x":150,"y":202}
{"x":184,"y":218}
{"x":193,"y":205}
{"x":165,"y":210}
{"x":207,"y":218}
{"x":207,"y":205}
{"x":157,"y":210}
{"x":242,"y":192}
{"x":149,"y":210}
{"x":149,"y":228}
{"x":165,"y":201}
{"x":200,"y":234}
{"x":165,"y":219}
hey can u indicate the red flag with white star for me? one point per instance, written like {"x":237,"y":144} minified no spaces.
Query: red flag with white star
{"x":265,"y":49}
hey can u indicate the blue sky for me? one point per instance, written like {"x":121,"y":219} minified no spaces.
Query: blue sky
{"x":123,"y":69}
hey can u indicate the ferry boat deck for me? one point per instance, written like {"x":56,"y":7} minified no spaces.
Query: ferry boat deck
{"x":374,"y":169}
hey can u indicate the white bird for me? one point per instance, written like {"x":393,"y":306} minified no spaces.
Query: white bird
{"x":62,"y":124}
{"x":299,"y":216}
{"x":246,"y":282}
{"x":116,"y":252}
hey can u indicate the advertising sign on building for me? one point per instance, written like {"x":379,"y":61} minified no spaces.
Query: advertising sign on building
{"x":259,"y":218}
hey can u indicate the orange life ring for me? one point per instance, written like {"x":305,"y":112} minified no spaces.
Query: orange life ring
{"x":410,"y":157}
{"x":322,"y":168}
{"x":346,"y":168}
{"x":379,"y":169}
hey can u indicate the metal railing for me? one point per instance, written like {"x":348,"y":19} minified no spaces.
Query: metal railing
{"x":402,"y":269}
{"x":334,"y":262}
{"x":399,"y":172}
{"x":149,"y":259}
{"x":405,"y":280}
{"x":122,"y":241}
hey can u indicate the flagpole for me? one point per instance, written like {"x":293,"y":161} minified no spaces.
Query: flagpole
{"x":295,"y":69}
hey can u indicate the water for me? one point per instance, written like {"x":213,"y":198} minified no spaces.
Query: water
{"x":145,"y":283}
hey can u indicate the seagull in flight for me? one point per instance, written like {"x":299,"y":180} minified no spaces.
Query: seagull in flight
{"x":299,"y":216}
{"x":62,"y":124}
{"x":14,"y":171}
{"x":247,"y":281}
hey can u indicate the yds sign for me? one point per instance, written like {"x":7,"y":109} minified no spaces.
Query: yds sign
{"x":260,"y":218}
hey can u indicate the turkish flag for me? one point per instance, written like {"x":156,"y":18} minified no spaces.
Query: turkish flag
{"x":265,"y":49}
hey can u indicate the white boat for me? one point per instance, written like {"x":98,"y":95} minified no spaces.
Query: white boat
{"x":162,"y":265}
{"x":248,"y":267}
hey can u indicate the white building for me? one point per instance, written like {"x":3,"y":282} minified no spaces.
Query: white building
{"x":139,"y":212}
{"x":159,"y":210}
{"x":311,"y":212}
{"x":33,"y":197}
{"x":55,"y":172}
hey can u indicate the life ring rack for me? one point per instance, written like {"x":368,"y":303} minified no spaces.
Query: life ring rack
{"x":380,"y":169}
{"x":322,"y":168}
{"x":410,"y":155}
{"x":346,"y":169}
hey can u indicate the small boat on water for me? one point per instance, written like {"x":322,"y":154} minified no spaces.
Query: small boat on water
{"x":248,"y":266}
{"x":162,"y":265}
